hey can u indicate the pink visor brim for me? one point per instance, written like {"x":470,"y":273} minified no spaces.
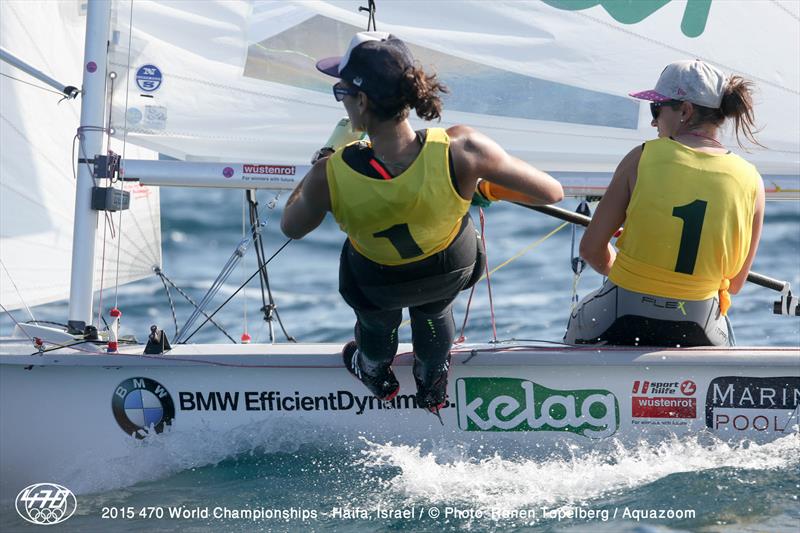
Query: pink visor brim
{"x":651,"y":96}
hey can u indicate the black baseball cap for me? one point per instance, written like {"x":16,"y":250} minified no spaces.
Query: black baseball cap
{"x":374,"y":62}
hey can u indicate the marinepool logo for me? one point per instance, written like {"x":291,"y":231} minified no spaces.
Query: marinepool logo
{"x":141,"y":405}
{"x":510,"y":404}
{"x":45,"y":504}
{"x":750,"y":404}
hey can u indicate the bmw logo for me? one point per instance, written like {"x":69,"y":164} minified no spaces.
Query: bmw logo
{"x":141,"y":405}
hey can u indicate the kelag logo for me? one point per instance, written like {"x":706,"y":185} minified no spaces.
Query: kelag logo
{"x":510,"y":404}
{"x":740,"y":403}
{"x":140,"y":404}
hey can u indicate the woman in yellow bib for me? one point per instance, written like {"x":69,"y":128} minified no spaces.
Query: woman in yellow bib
{"x":403,"y":201}
{"x":692,"y":212}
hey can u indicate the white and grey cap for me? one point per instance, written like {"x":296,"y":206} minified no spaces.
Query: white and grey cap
{"x":692,"y":81}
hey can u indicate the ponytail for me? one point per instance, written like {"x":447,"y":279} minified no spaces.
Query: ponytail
{"x":421,"y":92}
{"x":418,"y":91}
{"x":737,"y":103}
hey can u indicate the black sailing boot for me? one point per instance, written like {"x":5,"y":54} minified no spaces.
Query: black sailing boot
{"x":380,"y":380}
{"x":431,"y":384}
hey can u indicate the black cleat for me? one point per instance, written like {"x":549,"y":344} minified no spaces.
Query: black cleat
{"x":432,"y":386}
{"x":382,"y":382}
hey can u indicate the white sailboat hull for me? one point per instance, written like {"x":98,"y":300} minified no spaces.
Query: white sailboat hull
{"x":69,"y":416}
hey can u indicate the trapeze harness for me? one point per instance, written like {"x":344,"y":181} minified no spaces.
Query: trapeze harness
{"x":411,"y":244}
{"x":687,"y":233}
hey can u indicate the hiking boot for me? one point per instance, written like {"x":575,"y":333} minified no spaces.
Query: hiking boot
{"x":432,"y":386}
{"x":381,"y":381}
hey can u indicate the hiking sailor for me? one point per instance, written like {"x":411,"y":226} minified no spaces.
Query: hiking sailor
{"x":403,"y":200}
{"x":692,"y":211}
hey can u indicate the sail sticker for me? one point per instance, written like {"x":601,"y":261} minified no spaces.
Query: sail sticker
{"x":736,"y":404}
{"x":134,"y":116}
{"x":693,"y":23}
{"x":141,"y":405}
{"x":148,"y":78}
{"x":91,"y":66}
{"x":663,"y":400}
{"x":155,"y":117}
{"x":511,"y":404}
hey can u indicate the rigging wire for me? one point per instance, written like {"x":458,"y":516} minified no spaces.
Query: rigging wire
{"x":244,"y":266}
{"x":108,"y":220}
{"x":269,"y":308}
{"x":371,"y":10}
{"x":257,"y":272}
{"x":124,"y":146}
{"x":64,"y":97}
{"x":17,"y":323}
{"x":21,"y":299}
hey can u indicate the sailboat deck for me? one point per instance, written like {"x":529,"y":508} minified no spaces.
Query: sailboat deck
{"x":327,"y":355}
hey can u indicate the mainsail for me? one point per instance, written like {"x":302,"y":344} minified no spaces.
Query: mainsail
{"x":235,"y":81}
{"x":37,"y":164}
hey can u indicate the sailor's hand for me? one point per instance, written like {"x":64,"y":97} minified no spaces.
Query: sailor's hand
{"x":322,"y":153}
{"x":479,"y":197}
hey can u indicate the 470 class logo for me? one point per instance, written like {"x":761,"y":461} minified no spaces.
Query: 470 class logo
{"x":511,"y":404}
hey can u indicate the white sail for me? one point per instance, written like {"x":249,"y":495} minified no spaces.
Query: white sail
{"x":548,"y":79}
{"x":37,"y":182}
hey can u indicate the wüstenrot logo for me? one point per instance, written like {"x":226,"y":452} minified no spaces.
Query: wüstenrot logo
{"x":46,"y":503}
{"x":510,"y":404}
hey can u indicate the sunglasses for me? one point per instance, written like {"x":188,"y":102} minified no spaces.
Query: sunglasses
{"x":655,"y":107}
{"x":340,"y":91}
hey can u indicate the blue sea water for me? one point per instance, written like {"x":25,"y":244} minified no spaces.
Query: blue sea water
{"x":706,"y":485}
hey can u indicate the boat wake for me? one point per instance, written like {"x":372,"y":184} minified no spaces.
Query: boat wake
{"x":451,"y":477}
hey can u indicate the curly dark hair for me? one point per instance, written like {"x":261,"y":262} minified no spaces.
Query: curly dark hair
{"x":418,"y":91}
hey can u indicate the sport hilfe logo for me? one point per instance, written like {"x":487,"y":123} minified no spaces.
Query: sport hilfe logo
{"x":511,"y":404}
{"x":661,"y":399}
{"x":45,"y":504}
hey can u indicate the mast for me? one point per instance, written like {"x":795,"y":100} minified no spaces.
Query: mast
{"x":90,"y":144}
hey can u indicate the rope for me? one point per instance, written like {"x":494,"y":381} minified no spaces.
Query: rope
{"x":188,"y":298}
{"x":495,"y":269}
{"x":488,"y":274}
{"x":525,"y":250}
{"x":171,"y":303}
